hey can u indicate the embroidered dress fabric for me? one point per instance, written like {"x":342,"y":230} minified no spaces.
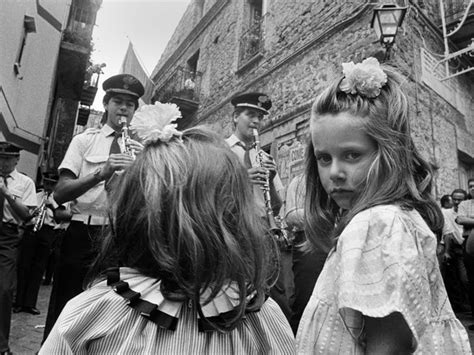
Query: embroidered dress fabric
{"x":384,"y":262}
{"x":99,"y":321}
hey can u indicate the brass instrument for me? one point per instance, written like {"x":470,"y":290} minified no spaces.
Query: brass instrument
{"x":125,"y":143}
{"x":41,"y":211}
{"x":278,"y":233}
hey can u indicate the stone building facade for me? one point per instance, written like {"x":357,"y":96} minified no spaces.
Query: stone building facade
{"x":290,"y":50}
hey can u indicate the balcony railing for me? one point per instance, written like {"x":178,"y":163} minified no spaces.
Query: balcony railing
{"x":181,"y":84}
{"x":251,"y":42}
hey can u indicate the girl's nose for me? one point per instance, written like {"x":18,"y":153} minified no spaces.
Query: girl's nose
{"x":337,"y":171}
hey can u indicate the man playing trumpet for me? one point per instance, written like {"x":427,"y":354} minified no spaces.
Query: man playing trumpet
{"x":92,"y":158}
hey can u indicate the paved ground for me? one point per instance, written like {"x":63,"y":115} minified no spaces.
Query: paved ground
{"x":27,"y":330}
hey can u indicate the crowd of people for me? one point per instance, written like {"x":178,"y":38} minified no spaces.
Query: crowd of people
{"x":176,"y":242}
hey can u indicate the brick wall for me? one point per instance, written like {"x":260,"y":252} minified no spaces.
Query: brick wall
{"x":305,"y":42}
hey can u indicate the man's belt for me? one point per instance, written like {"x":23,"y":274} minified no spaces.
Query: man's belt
{"x":90,"y":220}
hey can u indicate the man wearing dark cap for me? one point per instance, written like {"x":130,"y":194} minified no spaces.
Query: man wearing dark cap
{"x":17,"y":200}
{"x":91,"y":159}
{"x":249,"y":110}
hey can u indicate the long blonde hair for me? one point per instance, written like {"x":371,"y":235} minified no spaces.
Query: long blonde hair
{"x":398,"y":173}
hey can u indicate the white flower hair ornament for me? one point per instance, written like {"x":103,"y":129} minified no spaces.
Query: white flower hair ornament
{"x":366,"y":78}
{"x":152,"y":123}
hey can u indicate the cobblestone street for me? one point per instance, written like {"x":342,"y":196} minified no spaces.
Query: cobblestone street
{"x":27,"y":330}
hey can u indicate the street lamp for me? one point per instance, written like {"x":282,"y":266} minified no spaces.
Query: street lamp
{"x":386,"y":21}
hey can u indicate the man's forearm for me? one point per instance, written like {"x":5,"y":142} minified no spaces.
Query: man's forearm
{"x":18,"y":207}
{"x":69,"y":189}
{"x":276,"y":199}
{"x":465,"y":221}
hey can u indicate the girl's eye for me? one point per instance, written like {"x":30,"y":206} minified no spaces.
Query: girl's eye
{"x":323,"y":158}
{"x":352,"y":156}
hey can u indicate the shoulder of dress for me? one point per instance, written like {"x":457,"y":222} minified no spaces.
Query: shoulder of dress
{"x":382,"y":211}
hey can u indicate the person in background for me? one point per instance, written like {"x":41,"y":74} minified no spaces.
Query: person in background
{"x":369,"y":192}
{"x":307,"y":264}
{"x":185,"y":266}
{"x":451,"y":255}
{"x":91,"y":159}
{"x":62,"y":217}
{"x":465,"y":218}
{"x":17,"y":201}
{"x":249,"y":110}
{"x":35,"y":248}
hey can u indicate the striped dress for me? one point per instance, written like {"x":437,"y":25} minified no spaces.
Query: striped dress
{"x":99,"y":321}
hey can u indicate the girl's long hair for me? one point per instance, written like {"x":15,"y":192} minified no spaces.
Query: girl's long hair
{"x":398,"y":174}
{"x":183,"y":215}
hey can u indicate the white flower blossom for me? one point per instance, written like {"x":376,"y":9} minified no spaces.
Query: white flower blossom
{"x":156,"y":122}
{"x":366,"y":78}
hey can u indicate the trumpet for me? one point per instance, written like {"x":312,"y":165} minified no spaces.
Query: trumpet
{"x":41,"y":211}
{"x":278,"y":233}
{"x":125,"y":143}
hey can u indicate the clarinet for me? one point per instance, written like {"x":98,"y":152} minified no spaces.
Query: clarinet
{"x":125,"y":144}
{"x":278,"y":233}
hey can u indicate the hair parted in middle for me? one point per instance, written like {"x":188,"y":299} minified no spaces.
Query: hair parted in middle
{"x":398,"y":174}
{"x":182,"y":214}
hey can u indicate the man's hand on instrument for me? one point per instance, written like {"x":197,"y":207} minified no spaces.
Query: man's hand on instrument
{"x":136,"y":146}
{"x":269,"y":164}
{"x":258,"y":176}
{"x":115,"y":163}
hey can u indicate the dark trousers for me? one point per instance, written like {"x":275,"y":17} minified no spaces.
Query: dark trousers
{"x":469,"y":264}
{"x":455,"y":279}
{"x":9,"y":242}
{"x":282,"y":289}
{"x":306,"y":269}
{"x":53,"y":257}
{"x":33,"y":256}
{"x":75,"y":256}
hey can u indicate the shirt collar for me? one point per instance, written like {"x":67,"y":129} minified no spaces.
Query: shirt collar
{"x":233,"y":140}
{"x":14,"y":174}
{"x":107,"y":130}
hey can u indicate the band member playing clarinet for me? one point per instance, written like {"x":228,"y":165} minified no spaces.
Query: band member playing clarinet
{"x":249,"y":109}
{"x":91,"y":160}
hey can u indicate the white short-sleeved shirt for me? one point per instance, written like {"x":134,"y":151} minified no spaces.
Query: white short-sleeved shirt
{"x":23,"y":188}
{"x":237,"y":146}
{"x":466,"y":209}
{"x":294,"y":203}
{"x":87,"y":152}
{"x":384,"y":262}
{"x":450,"y":225}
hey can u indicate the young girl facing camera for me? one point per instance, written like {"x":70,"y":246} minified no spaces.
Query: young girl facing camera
{"x":369,"y":191}
{"x":194,"y":262}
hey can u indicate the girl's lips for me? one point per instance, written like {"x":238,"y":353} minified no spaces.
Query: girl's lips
{"x":341,"y":192}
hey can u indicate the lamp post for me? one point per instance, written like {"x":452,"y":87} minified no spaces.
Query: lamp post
{"x":386,"y":21}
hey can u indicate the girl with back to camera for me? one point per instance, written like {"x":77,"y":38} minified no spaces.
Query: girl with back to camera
{"x":194,"y":262}
{"x":368,"y":191}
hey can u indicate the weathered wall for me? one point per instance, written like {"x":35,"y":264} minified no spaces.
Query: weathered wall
{"x":305,"y":43}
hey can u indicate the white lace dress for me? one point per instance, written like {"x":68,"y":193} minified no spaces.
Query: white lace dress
{"x":384,"y":262}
